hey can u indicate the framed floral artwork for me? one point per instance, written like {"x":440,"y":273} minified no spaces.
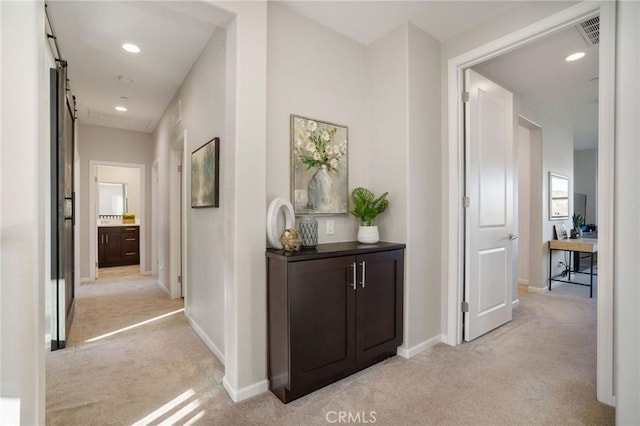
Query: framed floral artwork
{"x":319,"y":172}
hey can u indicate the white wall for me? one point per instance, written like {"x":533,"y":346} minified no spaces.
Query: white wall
{"x":524,"y":202}
{"x":585,"y":165}
{"x":245,"y":227}
{"x":404,"y":159}
{"x":130,"y":177}
{"x":627,"y":204}
{"x":202,"y":96}
{"x":116,"y":145}
{"x":424,"y":182}
{"x":317,"y":73}
{"x":24,"y":177}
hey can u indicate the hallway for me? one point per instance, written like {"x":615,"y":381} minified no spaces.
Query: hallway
{"x":540,"y":368}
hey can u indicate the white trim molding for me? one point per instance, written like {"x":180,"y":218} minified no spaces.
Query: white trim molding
{"x":540,"y":290}
{"x":246,"y":392}
{"x":453,"y":154}
{"x":203,"y":336}
{"x":420,"y":347}
{"x":163,"y":287}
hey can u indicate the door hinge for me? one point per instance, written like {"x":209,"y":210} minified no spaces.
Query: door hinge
{"x":179,"y":279}
{"x":95,"y":178}
{"x":465,"y":97}
{"x":179,"y":168}
{"x":465,"y":306}
{"x":466,"y":201}
{"x":96,"y":264}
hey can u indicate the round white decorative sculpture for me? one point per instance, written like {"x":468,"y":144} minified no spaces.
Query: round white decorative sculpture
{"x":273,"y":233}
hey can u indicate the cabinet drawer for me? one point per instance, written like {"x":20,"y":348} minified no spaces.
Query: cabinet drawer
{"x":129,"y":246}
{"x":129,"y":237}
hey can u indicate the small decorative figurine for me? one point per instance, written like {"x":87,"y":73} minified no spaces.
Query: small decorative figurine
{"x":291,"y":240}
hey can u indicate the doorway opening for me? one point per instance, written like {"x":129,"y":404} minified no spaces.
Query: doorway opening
{"x":116,"y":190}
{"x":178,"y":278}
{"x":530,"y":265}
{"x":454,"y":238}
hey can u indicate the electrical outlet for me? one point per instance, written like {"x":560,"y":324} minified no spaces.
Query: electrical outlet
{"x":329,"y":226}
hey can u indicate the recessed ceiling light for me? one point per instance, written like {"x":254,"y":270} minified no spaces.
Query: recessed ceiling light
{"x":574,"y":56}
{"x":130,"y":47}
{"x":120,"y":108}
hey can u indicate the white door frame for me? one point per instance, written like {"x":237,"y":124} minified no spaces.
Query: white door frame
{"x":154,"y":218}
{"x":453,"y":238}
{"x":176,"y":208}
{"x":93,"y":216}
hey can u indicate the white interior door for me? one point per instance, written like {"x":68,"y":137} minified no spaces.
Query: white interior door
{"x":489,"y":215}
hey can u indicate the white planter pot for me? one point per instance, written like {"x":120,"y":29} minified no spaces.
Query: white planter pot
{"x":368,"y":234}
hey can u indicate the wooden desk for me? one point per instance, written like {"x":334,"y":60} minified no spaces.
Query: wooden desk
{"x":581,"y":245}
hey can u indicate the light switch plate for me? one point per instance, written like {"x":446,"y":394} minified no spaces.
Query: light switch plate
{"x":329,"y":226}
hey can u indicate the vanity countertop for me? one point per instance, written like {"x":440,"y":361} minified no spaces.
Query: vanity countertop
{"x":110,"y":225}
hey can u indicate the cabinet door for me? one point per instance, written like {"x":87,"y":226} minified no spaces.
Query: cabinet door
{"x":101,"y":247}
{"x":322,"y":321}
{"x":379,"y":306}
{"x":113,"y":247}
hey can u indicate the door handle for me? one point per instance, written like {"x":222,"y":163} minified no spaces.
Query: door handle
{"x":362,"y":283}
{"x":102,"y":239}
{"x":513,"y":237}
{"x":107,"y":238}
{"x":353,"y":283}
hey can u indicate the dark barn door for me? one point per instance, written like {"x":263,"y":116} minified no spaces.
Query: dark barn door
{"x":63,"y":208}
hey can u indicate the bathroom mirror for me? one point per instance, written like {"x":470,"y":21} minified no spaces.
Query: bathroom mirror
{"x":558,"y":196}
{"x":113,"y":199}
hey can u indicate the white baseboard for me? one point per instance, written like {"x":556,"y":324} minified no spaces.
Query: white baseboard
{"x":207,"y":341}
{"x":415,"y":350}
{"x":85,"y":280}
{"x":522,"y":281}
{"x":515,"y":303}
{"x":246,"y":392}
{"x":532,"y":289}
{"x":162,"y":286}
{"x":147,"y":273}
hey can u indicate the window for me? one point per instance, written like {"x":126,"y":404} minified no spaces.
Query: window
{"x":558,"y":196}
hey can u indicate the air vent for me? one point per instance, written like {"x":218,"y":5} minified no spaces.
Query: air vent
{"x":590,"y":30}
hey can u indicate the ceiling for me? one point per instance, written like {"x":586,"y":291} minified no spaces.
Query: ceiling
{"x":171,"y":36}
{"x":568,"y":90}
{"x":366,"y":21}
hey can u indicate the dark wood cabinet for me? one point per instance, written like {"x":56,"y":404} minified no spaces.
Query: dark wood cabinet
{"x":333,"y":310}
{"x":118,"y":246}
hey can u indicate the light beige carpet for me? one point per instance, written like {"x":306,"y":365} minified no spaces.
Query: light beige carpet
{"x":538,"y":369}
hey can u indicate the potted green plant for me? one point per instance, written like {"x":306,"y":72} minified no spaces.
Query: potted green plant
{"x":367,"y":208}
{"x":578,"y":221}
